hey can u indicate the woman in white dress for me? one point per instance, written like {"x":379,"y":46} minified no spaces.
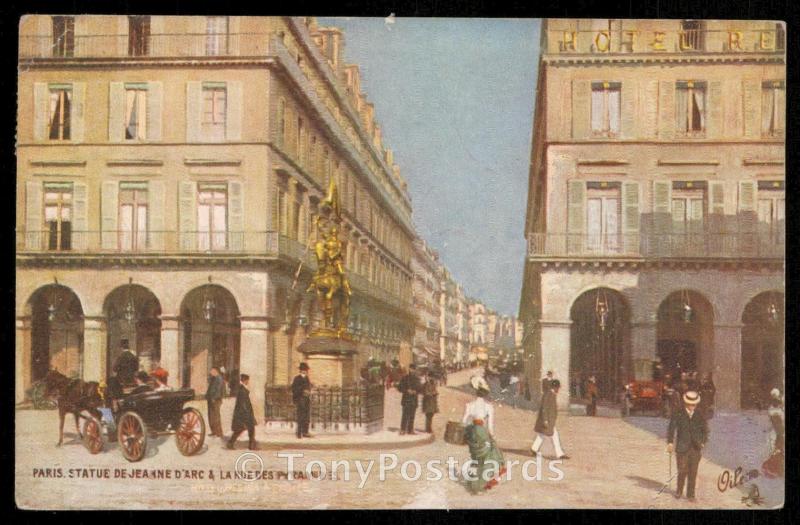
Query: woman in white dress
{"x":479,"y":421}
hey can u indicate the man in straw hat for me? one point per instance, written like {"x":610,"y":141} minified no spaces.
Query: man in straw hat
{"x":687,"y":435}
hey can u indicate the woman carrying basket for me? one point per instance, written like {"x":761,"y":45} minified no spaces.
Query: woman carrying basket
{"x":479,"y":421}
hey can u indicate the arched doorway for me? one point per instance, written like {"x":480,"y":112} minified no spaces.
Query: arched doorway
{"x":133,"y":316}
{"x":763,"y":349}
{"x":599,"y":343}
{"x":211,"y":331}
{"x":56,"y":332}
{"x":685,"y":333}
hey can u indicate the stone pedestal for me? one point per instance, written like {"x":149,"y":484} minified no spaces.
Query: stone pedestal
{"x":330,"y":360}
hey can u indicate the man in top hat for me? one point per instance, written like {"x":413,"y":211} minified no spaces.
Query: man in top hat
{"x":301,"y":395}
{"x":687,"y":435}
{"x":545,"y":427}
{"x":243,"y":416}
{"x":126,"y":365}
{"x":546,"y":382}
{"x":410,"y":387}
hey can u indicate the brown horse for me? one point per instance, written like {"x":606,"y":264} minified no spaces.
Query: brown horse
{"x":73,"y":396}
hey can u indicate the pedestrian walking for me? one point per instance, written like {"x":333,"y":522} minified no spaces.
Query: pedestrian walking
{"x":479,"y":434}
{"x":592,"y":393}
{"x":243,"y":416}
{"x":707,"y":392}
{"x":545,"y":427}
{"x":410,"y":387}
{"x":214,"y":395}
{"x":687,"y":434}
{"x":546,"y":381}
{"x":301,"y":395}
{"x":774,"y":465}
{"x":430,"y":400}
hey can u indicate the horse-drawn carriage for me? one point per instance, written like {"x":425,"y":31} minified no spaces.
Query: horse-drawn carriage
{"x":144,"y":415}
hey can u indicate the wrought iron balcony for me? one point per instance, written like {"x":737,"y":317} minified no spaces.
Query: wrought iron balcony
{"x":657,"y":246}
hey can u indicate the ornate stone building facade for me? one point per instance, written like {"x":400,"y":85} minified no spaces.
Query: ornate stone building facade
{"x":425,"y":267}
{"x":168,"y":171}
{"x":655,"y":222}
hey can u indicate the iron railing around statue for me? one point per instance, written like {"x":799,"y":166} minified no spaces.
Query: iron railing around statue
{"x":357,"y":408}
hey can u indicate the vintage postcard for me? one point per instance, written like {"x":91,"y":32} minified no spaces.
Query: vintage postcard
{"x":325,"y":263}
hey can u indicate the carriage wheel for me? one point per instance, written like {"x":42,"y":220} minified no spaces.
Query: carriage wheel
{"x":191,"y":432}
{"x":93,"y":435}
{"x":132,"y":436}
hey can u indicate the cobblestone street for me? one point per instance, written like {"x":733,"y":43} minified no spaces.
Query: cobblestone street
{"x":613,"y":463}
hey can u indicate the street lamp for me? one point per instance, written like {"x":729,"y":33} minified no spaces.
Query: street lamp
{"x":602,"y":309}
{"x":687,"y":311}
{"x":772,"y":312}
{"x":130,"y":310}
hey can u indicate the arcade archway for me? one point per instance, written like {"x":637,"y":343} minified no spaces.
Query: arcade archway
{"x":133,"y":317}
{"x":685,"y":333}
{"x":599,"y":343}
{"x":763,"y":349}
{"x":56,"y":332}
{"x":211,"y":333}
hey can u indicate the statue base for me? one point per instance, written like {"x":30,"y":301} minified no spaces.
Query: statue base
{"x":330,"y":358}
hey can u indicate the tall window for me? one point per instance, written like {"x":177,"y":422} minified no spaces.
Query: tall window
{"x":138,"y":36}
{"x":771,"y":211}
{"x":773,"y":108}
{"x":692,"y":35}
{"x":301,"y":134}
{"x":283,"y":227}
{"x":690,"y":108}
{"x":605,"y":108}
{"x":59,"y":112}
{"x":281,"y":121}
{"x":602,"y":217}
{"x":214,"y":110}
{"x":212,"y":216}
{"x":135,"y":112}
{"x":58,"y":215}
{"x":63,"y":36}
{"x":133,"y":216}
{"x":688,"y":215}
{"x":216,"y":35}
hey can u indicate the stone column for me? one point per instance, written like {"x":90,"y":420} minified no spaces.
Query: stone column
{"x":555,"y":355}
{"x":95,"y":342}
{"x":727,"y":366}
{"x":643,"y":346}
{"x":22,"y":361}
{"x":253,"y":358}
{"x":171,"y":351}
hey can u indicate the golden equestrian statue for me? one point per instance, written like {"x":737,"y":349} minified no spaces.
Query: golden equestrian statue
{"x":330,"y":281}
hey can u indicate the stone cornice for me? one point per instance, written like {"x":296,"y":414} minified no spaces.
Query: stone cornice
{"x":639,"y":264}
{"x":140,"y":62}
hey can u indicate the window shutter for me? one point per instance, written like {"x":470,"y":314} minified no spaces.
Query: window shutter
{"x":77,"y":113}
{"x":156,"y":194}
{"x":109,"y":209}
{"x":662,"y":217}
{"x":233,"y":118}
{"x":81,"y":32}
{"x":122,"y":35}
{"x":187,"y":209}
{"x":154,"y":104}
{"x":80,"y":223}
{"x":576,"y":207}
{"x":193,"y":102}
{"x":628,"y":110}
{"x":662,"y":197}
{"x":666,"y":109}
{"x":116,"y":112}
{"x":40,"y":111}
{"x":751,"y":93}
{"x":44,"y":35}
{"x":233,"y":35}
{"x":581,"y":109}
{"x":630,"y":196}
{"x":714,"y":109}
{"x":236,"y":216}
{"x":717,"y":197}
{"x":747,"y":195}
{"x":33,"y":215}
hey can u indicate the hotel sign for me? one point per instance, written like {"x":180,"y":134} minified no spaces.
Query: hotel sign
{"x":600,"y":41}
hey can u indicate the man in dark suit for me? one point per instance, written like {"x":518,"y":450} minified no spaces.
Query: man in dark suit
{"x":243,"y":416}
{"x":546,"y":382}
{"x":687,"y":435}
{"x":545,"y":426}
{"x":126,"y":365}
{"x":214,"y":394}
{"x":301,"y":395}
{"x":410,"y":387}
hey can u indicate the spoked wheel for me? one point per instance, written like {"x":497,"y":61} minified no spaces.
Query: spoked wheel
{"x":93,"y":435}
{"x":132,"y":436}
{"x":191,"y":432}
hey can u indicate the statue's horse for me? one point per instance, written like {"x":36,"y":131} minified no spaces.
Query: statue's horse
{"x":329,"y":286}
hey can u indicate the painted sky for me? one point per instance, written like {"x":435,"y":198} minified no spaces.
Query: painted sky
{"x":454,"y":99}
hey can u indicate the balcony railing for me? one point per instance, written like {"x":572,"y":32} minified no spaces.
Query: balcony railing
{"x":154,"y":45}
{"x":657,"y":246}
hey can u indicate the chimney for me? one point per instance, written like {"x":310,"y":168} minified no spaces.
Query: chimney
{"x":389,"y":156}
{"x":376,"y":137}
